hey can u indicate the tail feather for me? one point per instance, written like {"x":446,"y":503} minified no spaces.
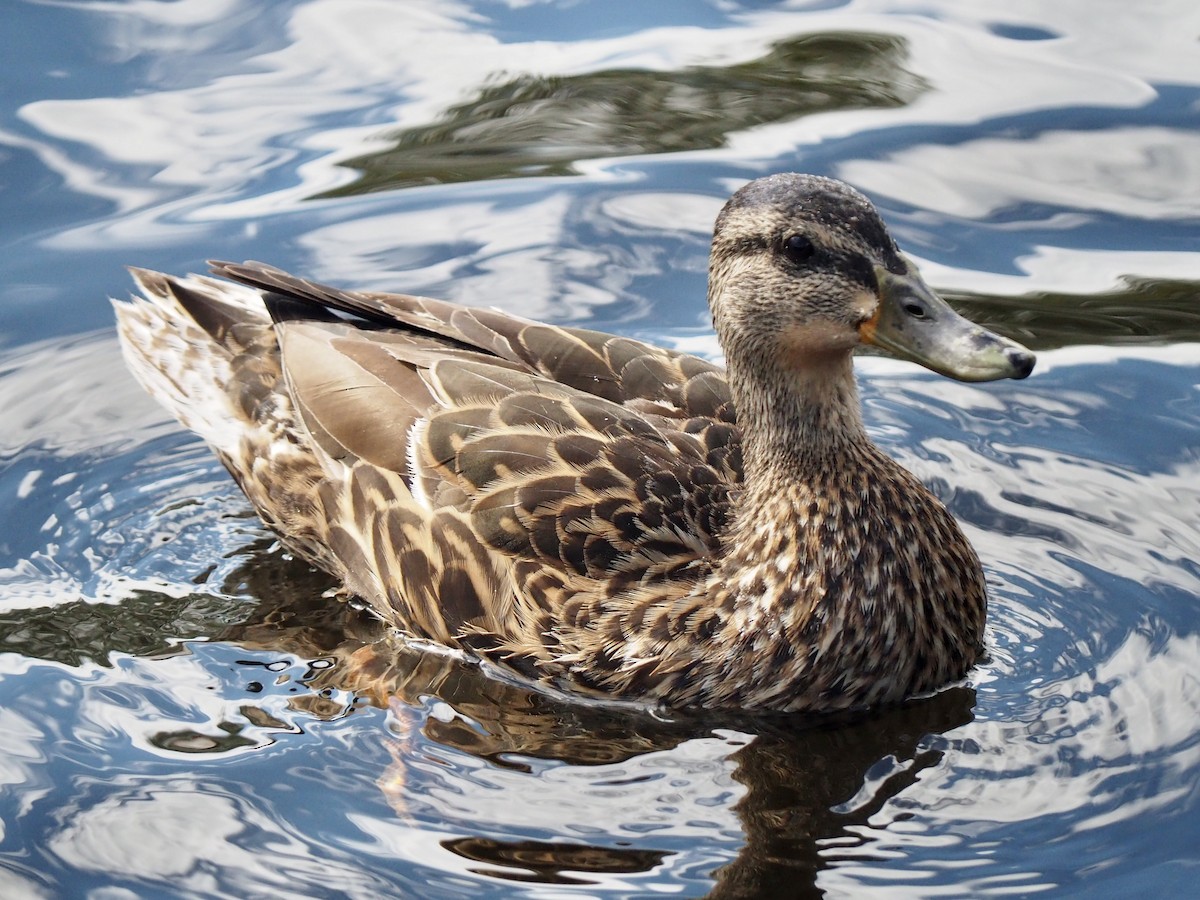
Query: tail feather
{"x":180,"y":339}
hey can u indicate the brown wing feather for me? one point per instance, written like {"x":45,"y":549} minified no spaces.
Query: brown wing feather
{"x":492,"y":482}
{"x":355,"y":399}
{"x":541,"y":473}
{"x":614,"y":368}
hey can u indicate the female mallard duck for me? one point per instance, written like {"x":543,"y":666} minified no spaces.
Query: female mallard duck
{"x":596,"y":513}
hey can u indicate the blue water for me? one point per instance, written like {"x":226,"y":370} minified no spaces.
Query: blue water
{"x":183,"y":712}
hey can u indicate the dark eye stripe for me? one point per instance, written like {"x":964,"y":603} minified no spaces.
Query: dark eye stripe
{"x":858,"y":268}
{"x":852,"y":265}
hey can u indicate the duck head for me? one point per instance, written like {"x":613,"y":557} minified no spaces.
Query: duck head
{"x":803,"y":270}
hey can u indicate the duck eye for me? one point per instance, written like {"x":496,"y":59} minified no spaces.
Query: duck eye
{"x":798,"y":248}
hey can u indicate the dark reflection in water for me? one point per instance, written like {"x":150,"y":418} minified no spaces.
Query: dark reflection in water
{"x":1145,"y":311}
{"x":539,"y":861}
{"x":145,"y":624}
{"x":805,"y":790}
{"x":543,"y":125}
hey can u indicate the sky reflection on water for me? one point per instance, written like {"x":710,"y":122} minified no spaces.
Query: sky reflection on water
{"x":183,"y":713}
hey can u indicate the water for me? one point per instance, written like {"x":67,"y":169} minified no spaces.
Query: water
{"x":184,"y":713}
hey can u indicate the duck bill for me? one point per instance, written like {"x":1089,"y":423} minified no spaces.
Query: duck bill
{"x":912,"y":322}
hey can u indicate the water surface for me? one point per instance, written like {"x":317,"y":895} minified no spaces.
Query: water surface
{"x":184,"y":711}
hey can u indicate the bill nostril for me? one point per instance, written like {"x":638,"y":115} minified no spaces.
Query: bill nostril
{"x":1021,"y":360}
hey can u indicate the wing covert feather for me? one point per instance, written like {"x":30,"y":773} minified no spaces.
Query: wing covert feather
{"x":617,"y":369}
{"x":547,"y":458}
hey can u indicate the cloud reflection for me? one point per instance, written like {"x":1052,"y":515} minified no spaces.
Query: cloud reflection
{"x":198,"y":838}
{"x":1146,"y":173}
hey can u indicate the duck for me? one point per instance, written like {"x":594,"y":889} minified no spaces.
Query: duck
{"x":592,"y":514}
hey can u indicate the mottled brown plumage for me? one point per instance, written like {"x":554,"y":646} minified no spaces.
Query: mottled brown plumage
{"x":591,"y":512}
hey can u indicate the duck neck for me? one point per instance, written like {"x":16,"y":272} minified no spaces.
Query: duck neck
{"x":804,"y":453}
{"x":799,"y":426}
